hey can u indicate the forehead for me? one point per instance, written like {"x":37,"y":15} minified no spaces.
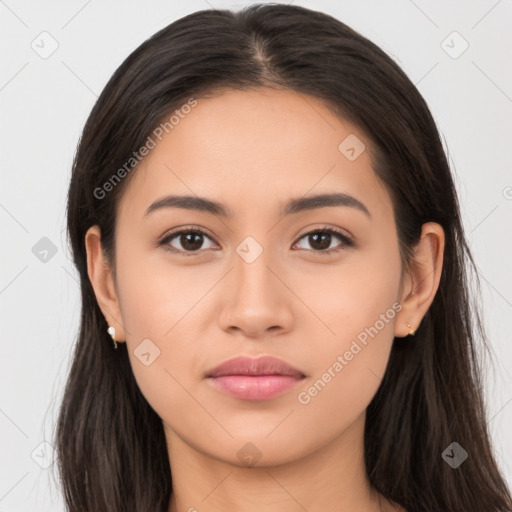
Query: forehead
{"x":252,"y":148}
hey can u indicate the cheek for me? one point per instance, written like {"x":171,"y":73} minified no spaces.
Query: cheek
{"x":349,"y":367}
{"x":357,"y":294}
{"x":157,"y":293}
{"x":360,"y":307}
{"x":164,"y":311}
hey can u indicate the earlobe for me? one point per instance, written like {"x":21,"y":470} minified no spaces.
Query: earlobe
{"x":413,"y":332}
{"x":423,"y":281}
{"x":100,"y":275}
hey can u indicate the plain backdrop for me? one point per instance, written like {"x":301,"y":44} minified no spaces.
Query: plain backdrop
{"x":465,"y":78}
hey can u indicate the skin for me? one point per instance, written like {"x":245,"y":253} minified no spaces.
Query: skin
{"x":252,"y":151}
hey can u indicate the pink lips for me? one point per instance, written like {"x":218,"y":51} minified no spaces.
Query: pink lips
{"x":254,"y":379}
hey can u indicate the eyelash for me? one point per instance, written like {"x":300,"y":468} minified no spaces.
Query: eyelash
{"x":346,"y":241}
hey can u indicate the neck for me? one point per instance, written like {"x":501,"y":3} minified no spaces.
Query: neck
{"x":332,"y":478}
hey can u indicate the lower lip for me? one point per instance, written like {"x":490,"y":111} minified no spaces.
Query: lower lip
{"x":255,"y":387}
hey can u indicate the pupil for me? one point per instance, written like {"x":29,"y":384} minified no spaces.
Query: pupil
{"x":324,"y":244}
{"x":185,"y":241}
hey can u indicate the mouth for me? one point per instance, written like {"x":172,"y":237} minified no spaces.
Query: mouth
{"x":254,"y":379}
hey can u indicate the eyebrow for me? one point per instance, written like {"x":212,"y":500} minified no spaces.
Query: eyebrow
{"x":292,"y":206}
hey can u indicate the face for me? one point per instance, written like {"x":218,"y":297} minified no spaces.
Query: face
{"x":317,"y":287}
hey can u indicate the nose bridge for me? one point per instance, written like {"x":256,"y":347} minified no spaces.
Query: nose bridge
{"x":252,"y":276}
{"x":254,"y":300}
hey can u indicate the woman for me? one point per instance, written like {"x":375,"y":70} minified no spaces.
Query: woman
{"x":275,"y":310}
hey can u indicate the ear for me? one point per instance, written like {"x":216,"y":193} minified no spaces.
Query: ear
{"x":100,"y":275}
{"x":420,"y":285}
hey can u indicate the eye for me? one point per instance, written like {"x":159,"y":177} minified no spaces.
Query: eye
{"x":321,"y":239}
{"x":190,"y":239}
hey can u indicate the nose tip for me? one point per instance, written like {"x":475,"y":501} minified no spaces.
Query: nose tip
{"x":255,"y":301}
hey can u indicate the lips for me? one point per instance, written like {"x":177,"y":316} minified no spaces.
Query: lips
{"x":265,"y":365}
{"x":258,"y":379}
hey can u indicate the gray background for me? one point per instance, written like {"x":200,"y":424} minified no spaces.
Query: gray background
{"x":45,"y":100}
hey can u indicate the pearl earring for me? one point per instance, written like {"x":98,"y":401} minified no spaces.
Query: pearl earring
{"x":112,"y":331}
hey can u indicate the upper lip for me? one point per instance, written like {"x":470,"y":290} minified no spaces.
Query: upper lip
{"x":264,"y":365}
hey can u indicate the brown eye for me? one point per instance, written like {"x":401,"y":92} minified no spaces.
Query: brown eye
{"x":185,"y":240}
{"x":192,"y":241}
{"x":320,"y":241}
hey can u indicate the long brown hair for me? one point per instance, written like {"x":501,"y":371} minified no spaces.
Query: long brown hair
{"x":110,"y":443}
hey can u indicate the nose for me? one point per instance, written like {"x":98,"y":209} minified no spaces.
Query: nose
{"x":256,"y":301}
